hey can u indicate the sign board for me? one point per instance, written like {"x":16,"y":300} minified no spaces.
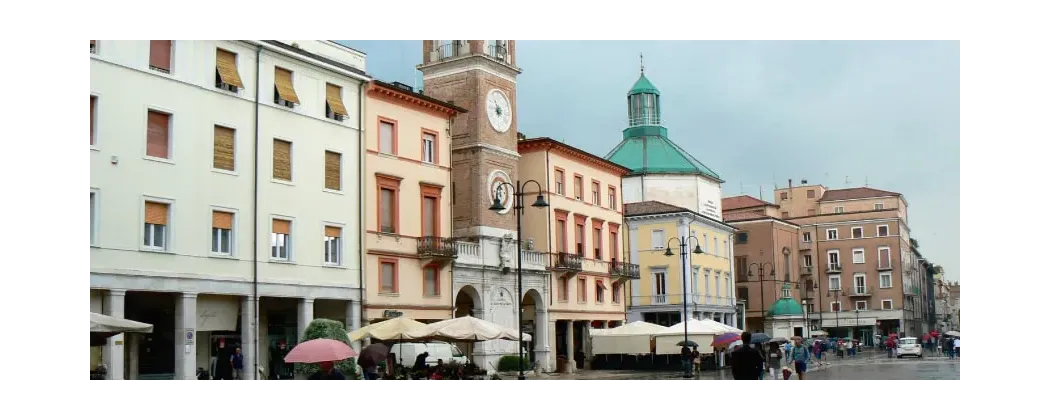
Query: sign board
{"x":848,"y":322}
{"x":189,"y":337}
{"x":217,"y":313}
{"x":392,"y":313}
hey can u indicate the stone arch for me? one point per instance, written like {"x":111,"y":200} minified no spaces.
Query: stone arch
{"x":467,"y":301}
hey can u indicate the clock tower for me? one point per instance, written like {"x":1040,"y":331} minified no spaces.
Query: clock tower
{"x":480,"y":76}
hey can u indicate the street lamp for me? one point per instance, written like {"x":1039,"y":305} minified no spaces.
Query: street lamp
{"x":519,"y":211}
{"x":761,"y":284}
{"x":837,"y":293}
{"x":683,"y":245}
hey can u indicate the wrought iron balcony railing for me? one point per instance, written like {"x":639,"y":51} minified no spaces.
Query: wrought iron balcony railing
{"x":624,"y":270}
{"x":567,"y":261}
{"x":436,"y":246}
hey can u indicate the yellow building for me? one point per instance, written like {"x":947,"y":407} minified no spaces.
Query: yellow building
{"x":408,"y":209}
{"x":582,"y":232}
{"x":656,"y":228}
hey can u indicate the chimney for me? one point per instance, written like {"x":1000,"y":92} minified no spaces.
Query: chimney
{"x":804,"y":182}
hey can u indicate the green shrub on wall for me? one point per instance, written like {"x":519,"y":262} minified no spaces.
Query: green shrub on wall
{"x":327,"y":328}
{"x":509,"y":363}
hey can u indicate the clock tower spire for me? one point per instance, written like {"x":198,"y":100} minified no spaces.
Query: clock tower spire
{"x":480,"y":76}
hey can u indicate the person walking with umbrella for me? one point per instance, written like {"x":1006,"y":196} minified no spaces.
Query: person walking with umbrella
{"x":324,"y":352}
{"x":746,"y":363}
{"x":775,"y":356}
{"x":370,"y":358}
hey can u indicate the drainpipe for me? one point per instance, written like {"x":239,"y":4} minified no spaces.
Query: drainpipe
{"x":361,"y":254}
{"x":452,"y":265}
{"x":550,"y":278}
{"x":255,"y":218}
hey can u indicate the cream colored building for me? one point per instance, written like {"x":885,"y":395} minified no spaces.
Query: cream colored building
{"x":408,"y":207}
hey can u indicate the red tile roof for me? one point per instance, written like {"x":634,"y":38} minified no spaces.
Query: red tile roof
{"x":855,"y":193}
{"x":742,"y":201}
{"x":649,"y":207}
{"x":746,"y":215}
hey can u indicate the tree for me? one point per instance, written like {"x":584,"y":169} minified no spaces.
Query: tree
{"x":327,"y":328}
{"x":914,"y":243}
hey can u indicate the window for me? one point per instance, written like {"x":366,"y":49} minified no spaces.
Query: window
{"x":599,"y":292}
{"x":580,"y":240}
{"x":596,"y":193}
{"x":563,"y":289}
{"x":562,"y":234}
{"x":887,"y":304}
{"x":158,"y":135}
{"x":388,"y":203}
{"x":885,"y":280}
{"x":612,"y":198}
{"x":657,"y":239}
{"x":860,"y":305}
{"x":839,"y":209}
{"x":858,"y":256}
{"x":834,"y":282}
{"x":90,"y":119}
{"x":718,"y":287}
{"x":832,"y":234}
{"x":429,"y":147}
{"x":334,"y":108}
{"x":281,"y":239}
{"x":223,"y":149}
{"x":705,"y":243}
{"x":811,"y":194}
{"x":660,"y":287}
{"x":806,"y":237}
{"x":716,"y":246}
{"x":616,"y":290}
{"x":741,"y":238}
{"x":94,"y":219}
{"x":283,"y":88}
{"x":707,"y":286}
{"x":884,"y":257}
{"x":431,"y":212}
{"x":879,"y":206}
{"x":836,"y":307}
{"x":388,"y":137}
{"x":432,"y":281}
{"x":833,"y":258}
{"x":226,"y":75}
{"x":860,"y":284}
{"x":581,"y":290}
{"x":784,"y":195}
{"x":94,"y":48}
{"x":221,"y":232}
{"x":883,"y":230}
{"x":155,"y":233}
{"x":597,"y":241}
{"x":783,"y":215}
{"x":614,"y":244}
{"x":333,"y":245}
{"x":333,"y":172}
{"x":160,"y":56}
{"x":694,"y":281}
{"x":282,"y":160}
{"x":857,"y":232}
{"x":807,"y":260}
{"x":387,"y":275}
{"x":577,"y":187}
{"x":559,"y":182}
{"x":725,"y":247}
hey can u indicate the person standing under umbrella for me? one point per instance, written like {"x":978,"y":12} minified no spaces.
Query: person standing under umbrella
{"x":775,"y":356}
{"x":327,"y":372}
{"x":694,"y":358}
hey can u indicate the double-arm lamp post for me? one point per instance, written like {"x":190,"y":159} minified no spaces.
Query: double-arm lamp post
{"x":761,"y":268}
{"x":683,"y":245}
{"x":519,"y":210}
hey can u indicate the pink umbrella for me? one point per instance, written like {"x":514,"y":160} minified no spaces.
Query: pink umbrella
{"x":320,"y":350}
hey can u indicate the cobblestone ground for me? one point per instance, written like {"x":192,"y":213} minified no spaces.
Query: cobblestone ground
{"x":871,"y":365}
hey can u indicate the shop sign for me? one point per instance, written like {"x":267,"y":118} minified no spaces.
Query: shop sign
{"x":392,"y":313}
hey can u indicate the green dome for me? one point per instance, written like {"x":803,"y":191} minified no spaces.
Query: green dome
{"x":785,"y":306}
{"x":643,"y":85}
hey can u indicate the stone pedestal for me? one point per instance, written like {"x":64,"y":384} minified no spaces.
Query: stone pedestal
{"x":113,"y":352}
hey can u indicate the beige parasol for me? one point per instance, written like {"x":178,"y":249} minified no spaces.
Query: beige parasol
{"x":391,"y":329}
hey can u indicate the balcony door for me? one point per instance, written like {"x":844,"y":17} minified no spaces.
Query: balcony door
{"x":430,"y":221}
{"x":560,"y":234}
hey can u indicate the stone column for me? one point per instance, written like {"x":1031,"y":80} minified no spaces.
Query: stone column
{"x":542,"y":346}
{"x":353,"y":320}
{"x":186,"y":336}
{"x":133,"y":356}
{"x":113,"y":352}
{"x":248,"y":344}
{"x":306,"y":314}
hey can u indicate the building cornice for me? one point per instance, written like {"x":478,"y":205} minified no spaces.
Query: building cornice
{"x":479,"y":62}
{"x":765,"y":219}
{"x":486,"y":146}
{"x":546,"y":143}
{"x":674,"y":217}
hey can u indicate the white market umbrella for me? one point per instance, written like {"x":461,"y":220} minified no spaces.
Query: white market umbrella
{"x":105,"y":326}
{"x":720,"y":327}
{"x":465,"y":328}
{"x":391,"y":329}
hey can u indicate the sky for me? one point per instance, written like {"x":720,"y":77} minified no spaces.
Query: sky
{"x":838,"y":113}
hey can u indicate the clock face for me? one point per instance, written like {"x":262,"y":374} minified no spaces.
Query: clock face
{"x":497,"y":107}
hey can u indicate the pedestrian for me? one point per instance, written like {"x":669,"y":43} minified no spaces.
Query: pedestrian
{"x":849,"y":348}
{"x":955,"y":346}
{"x":799,"y":355}
{"x":695,"y":357}
{"x":421,"y":362}
{"x":237,"y":363}
{"x":327,"y":372}
{"x":687,"y":358}
{"x":774,"y":357}
{"x":746,"y":363}
{"x":765,"y":362}
{"x":817,"y":353}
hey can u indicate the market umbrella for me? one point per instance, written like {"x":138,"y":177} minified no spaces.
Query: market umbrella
{"x":687,"y":343}
{"x":759,"y":338}
{"x":724,"y":339}
{"x":105,"y":326}
{"x":465,"y":328}
{"x":373,"y":354}
{"x":391,"y":329}
{"x":319,"y":350}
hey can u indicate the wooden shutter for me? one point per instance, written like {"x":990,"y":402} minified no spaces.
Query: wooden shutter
{"x":386,"y":207}
{"x":429,"y":213}
{"x":90,"y":120}
{"x":282,"y":160}
{"x":226,"y":65}
{"x":282,"y":79}
{"x":156,"y":213}
{"x":157,"y":135}
{"x":222,"y":156}
{"x":160,"y":54}
{"x":332,"y":170}
{"x":386,"y":137}
{"x":334,"y":95}
{"x":333,"y":231}
{"x":282,"y":226}
{"x":222,"y":220}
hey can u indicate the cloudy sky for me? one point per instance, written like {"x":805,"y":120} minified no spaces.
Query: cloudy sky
{"x":758,"y":113}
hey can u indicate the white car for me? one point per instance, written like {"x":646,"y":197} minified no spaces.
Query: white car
{"x":909,"y":346}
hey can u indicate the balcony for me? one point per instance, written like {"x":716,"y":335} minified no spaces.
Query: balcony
{"x":436,"y":248}
{"x":624,"y":270}
{"x":834,"y":268}
{"x":807,"y":270}
{"x":885,"y":266}
{"x":564,"y":261}
{"x":449,"y":50}
{"x":911,"y":290}
{"x":498,"y":52}
{"x":860,"y":291}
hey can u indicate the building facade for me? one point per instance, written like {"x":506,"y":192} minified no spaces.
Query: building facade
{"x":481,"y":77}
{"x":260,"y":234}
{"x":706,"y":284}
{"x":581,"y":231}
{"x":408,"y":186}
{"x":766,"y":260}
{"x":856,"y":247}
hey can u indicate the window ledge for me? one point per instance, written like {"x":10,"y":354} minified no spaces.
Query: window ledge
{"x":236,"y":94}
{"x":390,"y":294}
{"x":158,"y":160}
{"x":431,"y":297}
{"x":155,"y":250}
{"x":222,"y":256}
{"x":330,"y":265}
{"x":95,"y":148}
{"x":224,"y":172}
{"x":280,"y":261}
{"x":331,"y":191}
{"x":95,"y":246}
{"x":387,"y":155}
{"x":282,"y":182}
{"x":430,"y":164}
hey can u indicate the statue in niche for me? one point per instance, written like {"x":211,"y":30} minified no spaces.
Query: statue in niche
{"x":504,"y":250}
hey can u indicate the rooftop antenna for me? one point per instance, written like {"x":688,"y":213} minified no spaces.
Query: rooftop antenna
{"x":847,"y":180}
{"x":760,"y":192}
{"x":641,"y":62}
{"x":741,"y":188}
{"x":865,"y":180}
